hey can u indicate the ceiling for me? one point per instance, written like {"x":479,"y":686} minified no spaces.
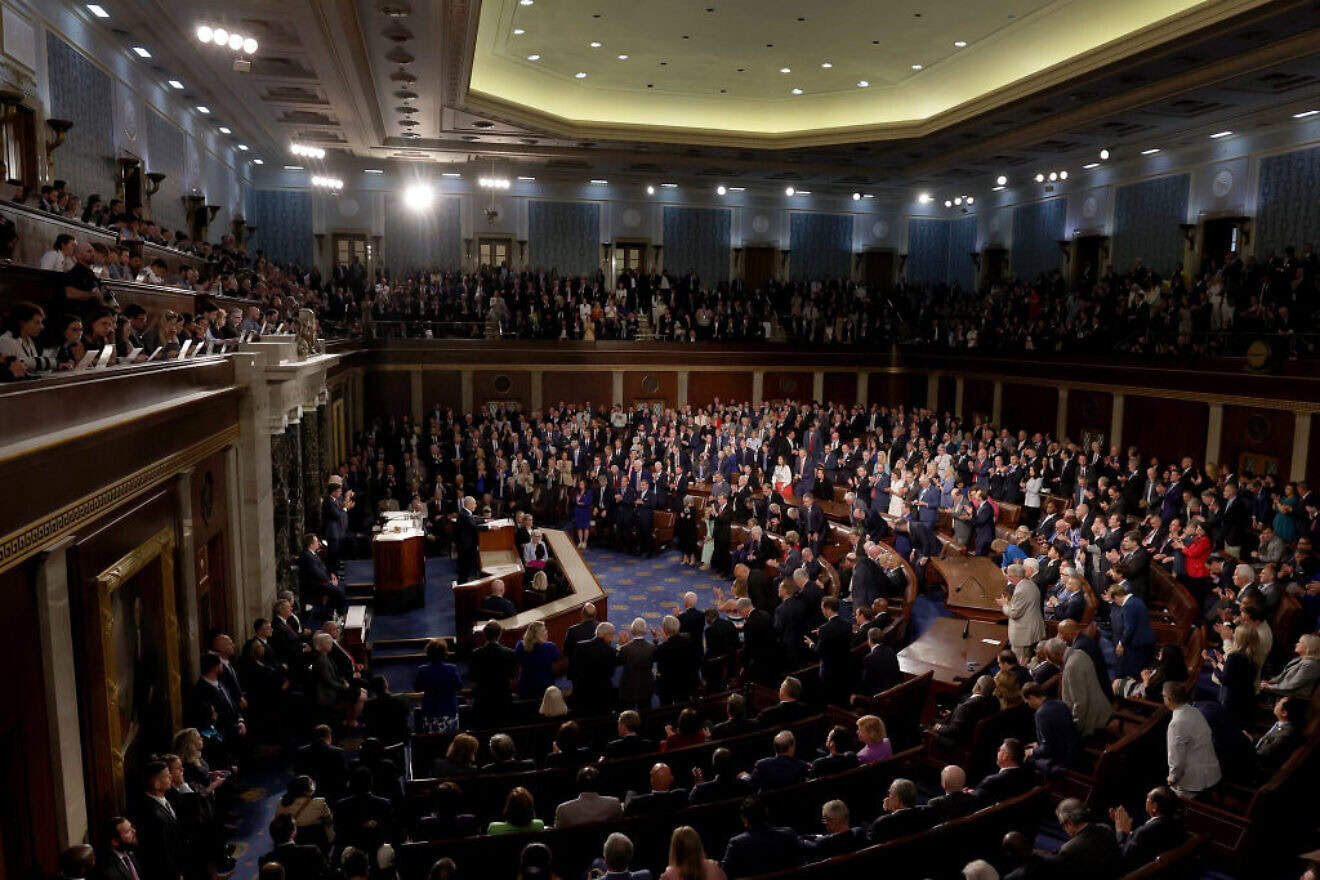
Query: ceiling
{"x":384,"y":83}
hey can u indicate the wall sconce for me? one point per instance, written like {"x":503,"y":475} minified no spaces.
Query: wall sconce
{"x":154,"y":179}
{"x":59,"y":130}
{"x":211,"y":211}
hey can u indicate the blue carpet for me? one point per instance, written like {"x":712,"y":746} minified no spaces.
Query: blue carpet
{"x":650,"y":588}
{"x":436,"y":618}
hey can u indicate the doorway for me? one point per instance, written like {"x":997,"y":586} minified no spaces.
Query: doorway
{"x":1219,"y":238}
{"x":1085,"y":266}
{"x":759,"y":266}
{"x":493,"y":252}
{"x":878,"y":270}
{"x":630,"y":257}
{"x":994,"y":262}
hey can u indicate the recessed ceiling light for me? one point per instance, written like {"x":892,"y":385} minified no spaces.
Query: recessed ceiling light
{"x":526,"y":2}
{"x":533,"y":57}
{"x":785,"y":70}
{"x":970,"y":199}
{"x":450,"y":174}
{"x":826,"y":65}
{"x":916,"y":67}
{"x":623,"y":57}
{"x":650,"y":190}
{"x":599,"y":182}
{"x":1220,"y":134}
{"x":175,"y":84}
{"x":737,"y":189}
{"x":224,"y":129}
{"x":960,"y":44}
{"x":857,"y":197}
{"x":1089,"y":165}
{"x":595,"y":44}
{"x":1063,"y":175}
{"x":788,"y":190}
{"x":1001,"y":180}
{"x":204,"y":110}
{"x":948,"y":204}
{"x":220,"y":37}
{"x":1040,"y":178}
{"x":804,"y":192}
{"x":797,"y":91}
{"x":721,"y":189}
{"x":581,"y":74}
{"x":518,"y":32}
{"x":861,"y":84}
{"x":1152,"y":151}
{"x":1104,"y":154}
{"x":243,"y":147}
{"x":204,"y":33}
{"x":373,"y":170}
{"x":996,"y":188}
{"x":1054,"y":175}
{"x":141,"y":52}
{"x":98,"y":11}
{"x":924,"y":198}
{"x":524,"y":177}
{"x":249,"y":46}
{"x":293,"y":168}
{"x":670,"y":185}
{"x":1305,"y":113}
{"x":258,"y":162}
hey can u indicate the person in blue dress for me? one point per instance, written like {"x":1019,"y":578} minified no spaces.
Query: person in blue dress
{"x":535,"y":656}
{"x":439,"y":684}
{"x":1285,"y":514}
{"x":584,"y":499}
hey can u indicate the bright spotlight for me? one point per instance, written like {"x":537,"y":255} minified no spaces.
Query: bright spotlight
{"x":857,"y":197}
{"x":924,"y":198}
{"x":1001,"y":180}
{"x":418,"y":197}
{"x":1040,"y":178}
{"x":721,"y":189}
{"x":788,"y":190}
{"x":220,"y":37}
{"x":970,"y":200}
{"x":948,"y":204}
{"x":1054,"y":175}
{"x":650,"y":190}
{"x":1063,"y":175}
{"x":1104,"y":154}
{"x":235,"y":41}
{"x":250,"y":46}
{"x":204,"y":33}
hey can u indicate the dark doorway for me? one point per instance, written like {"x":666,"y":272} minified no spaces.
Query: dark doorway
{"x":759,"y":266}
{"x":878,"y":270}
{"x":1219,"y":238}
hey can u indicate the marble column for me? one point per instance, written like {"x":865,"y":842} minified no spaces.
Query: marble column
{"x":958,"y":396}
{"x":279,"y":493}
{"x":294,"y":485}
{"x":997,"y":408}
{"x":185,"y":581}
{"x":1061,"y":415}
{"x":313,"y":468}
{"x":329,"y":461}
{"x":1214,"y":432}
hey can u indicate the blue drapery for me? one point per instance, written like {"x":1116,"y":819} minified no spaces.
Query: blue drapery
{"x":1037,"y":230}
{"x":429,"y":240}
{"x":1146,"y":218}
{"x":928,"y":251}
{"x":284,"y":225}
{"x":564,"y":236}
{"x":168,"y":143}
{"x":698,"y":239}
{"x":82,"y":93}
{"x":821,"y":245}
{"x":962,"y":241}
{"x":1288,"y":207}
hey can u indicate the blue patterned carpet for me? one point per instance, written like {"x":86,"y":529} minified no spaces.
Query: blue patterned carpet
{"x":650,"y":588}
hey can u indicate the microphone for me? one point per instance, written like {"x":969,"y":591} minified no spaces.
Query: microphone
{"x":967,"y":629}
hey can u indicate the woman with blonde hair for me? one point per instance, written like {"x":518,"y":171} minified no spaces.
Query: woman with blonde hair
{"x":1008,"y":689}
{"x":197,"y":773}
{"x":687,"y":858}
{"x":535,"y":657}
{"x":875,"y":740}
{"x":553,"y":704}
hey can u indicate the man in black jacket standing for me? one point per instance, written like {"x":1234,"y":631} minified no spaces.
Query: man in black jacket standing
{"x":160,"y":835}
{"x":592,"y":672}
{"x":491,"y":671}
{"x":466,"y":540}
{"x":833,"y":645}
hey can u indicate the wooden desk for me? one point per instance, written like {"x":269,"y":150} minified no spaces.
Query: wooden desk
{"x":943,"y":651}
{"x":561,"y":613}
{"x":974,"y":583}
{"x":399,"y":558}
{"x":499,"y":560}
{"x":357,"y":628}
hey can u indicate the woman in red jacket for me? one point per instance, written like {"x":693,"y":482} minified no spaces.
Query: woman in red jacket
{"x":1196,"y":549}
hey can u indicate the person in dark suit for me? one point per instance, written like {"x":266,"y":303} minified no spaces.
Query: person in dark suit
{"x":721,"y":641}
{"x":983,"y":523}
{"x":1058,"y":743}
{"x":1011,"y":779}
{"x":759,"y":589}
{"x":316,"y":581}
{"x":1164,"y":829}
{"x":761,"y":660}
{"x":491,"y":670}
{"x":722,"y":560}
{"x":902,"y":816}
{"x":760,"y":848}
{"x":362,"y":818}
{"x":300,"y":861}
{"x":466,"y":540}
{"x":791,"y":619}
{"x":119,"y":861}
{"x":724,"y":784}
{"x":209,"y":700}
{"x":692,"y":623}
{"x":956,"y":801}
{"x":582,"y":631}
{"x":980,"y":704}
{"x":840,"y":753}
{"x":839,"y":837}
{"x":496,"y":604}
{"x":592,"y":672}
{"x":880,"y":669}
{"x":504,"y":756}
{"x":160,"y":835}
{"x":784,"y":768}
{"x":676,"y":665}
{"x":789,"y":708}
{"x":1091,"y":851}
{"x":833,"y":645}
{"x":630,"y":741}
{"x":334,"y":523}
{"x":323,"y":761}
{"x":644,"y":505}
{"x":661,"y":799}
{"x":737,"y":722}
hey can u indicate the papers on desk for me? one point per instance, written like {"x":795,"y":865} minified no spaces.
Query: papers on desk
{"x":994,"y":642}
{"x":505,"y":523}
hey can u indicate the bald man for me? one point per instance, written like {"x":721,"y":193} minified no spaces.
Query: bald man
{"x":957,"y":800}
{"x":692,"y":622}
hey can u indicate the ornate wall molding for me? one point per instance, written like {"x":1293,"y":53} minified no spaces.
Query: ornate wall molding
{"x":24,"y":542}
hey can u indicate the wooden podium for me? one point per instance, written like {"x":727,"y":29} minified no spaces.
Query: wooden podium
{"x":398,"y":552}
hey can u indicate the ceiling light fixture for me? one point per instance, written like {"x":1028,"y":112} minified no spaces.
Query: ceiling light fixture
{"x":737,"y":189}
{"x":1151,"y":152}
{"x":970,"y":200}
{"x":789,"y":191}
{"x":623,"y":57}
{"x":1040,"y":178}
{"x":224,"y":129}
{"x":857,"y":197}
{"x":1063,"y":175}
{"x":650,"y":190}
{"x":796,"y":91}
{"x":960,"y":44}
{"x":243,"y":148}
{"x":203,"y":109}
{"x":525,"y":178}
{"x":1305,"y":113}
{"x":526,"y":2}
{"x":917,"y":66}
{"x":804,"y":192}
{"x":249,"y":46}
{"x":827,"y":65}
{"x":258,"y":162}
{"x":1220,"y":134}
{"x":418,"y":197}
{"x":220,"y":36}
{"x":670,"y":185}
{"x":595,"y":44}
{"x":373,"y":170}
{"x":204,"y":33}
{"x":293,"y":168}
{"x":785,"y":70}
{"x":581,"y":74}
{"x":924,"y":199}
{"x":330,"y":183}
{"x":236,"y":41}
{"x":598,"y":181}
{"x":1104,"y":154}
{"x":450,"y":174}
{"x":141,"y":52}
{"x":1001,"y":180}
{"x":493,"y":182}
{"x":1054,"y":175}
{"x":861,"y":84}
{"x":1089,"y":165}
{"x":996,"y":189}
{"x":306,"y":151}
{"x":175,"y":84}
{"x":948,"y":204}
{"x":868,"y":195}
{"x":98,"y":11}
{"x":721,"y":189}
{"x":533,"y":57}
{"x":518,"y":32}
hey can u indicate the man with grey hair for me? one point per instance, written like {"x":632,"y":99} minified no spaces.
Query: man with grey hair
{"x":839,"y":837}
{"x":1091,"y":850}
{"x":784,"y":768}
{"x":1079,"y":688}
{"x":902,"y":816}
{"x":692,"y":623}
{"x":677,"y":665}
{"x":591,"y":670}
{"x":618,"y":856}
{"x":979,"y":870}
{"x":1026,"y":625}
{"x":467,"y":540}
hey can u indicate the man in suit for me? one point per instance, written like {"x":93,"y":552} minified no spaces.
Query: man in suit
{"x":867,"y":576}
{"x":956,"y":801}
{"x":811,"y":519}
{"x":1134,"y":638}
{"x":504,"y":756}
{"x":592,"y":672}
{"x":1011,"y":779}
{"x":791,"y":618}
{"x":300,"y":861}
{"x":833,"y":645}
{"x":491,"y":670}
{"x":645,"y":502}
{"x":761,"y":847}
{"x":1193,"y":765}
{"x":334,"y":522}
{"x":1163,"y":831}
{"x":1070,"y":604}
{"x":789,"y":708}
{"x":119,"y":861}
{"x":724,"y":784}
{"x":210,"y":696}
{"x":902,"y":816}
{"x":618,"y":856}
{"x":839,"y":837}
{"x":1072,"y":634}
{"x":979,"y":705}
{"x":761,"y":660}
{"x":983,"y":523}
{"x":496,"y":604}
{"x":721,"y":641}
{"x":721,"y":560}
{"x":1057,"y":741}
{"x":692,"y":623}
{"x":589,"y":806}
{"x":630,"y":741}
{"x":324,"y":761}
{"x":361,"y":815}
{"x":677,"y":666}
{"x":880,"y":669}
{"x":1091,"y":851}
{"x":840,"y":753}
{"x":1136,"y":564}
{"x":160,"y":836}
{"x":316,"y":581}
{"x":784,"y":768}
{"x":759,"y":588}
{"x":467,"y":540}
{"x":736,"y":722}
{"x":928,"y":503}
{"x":1026,"y":625}
{"x":663,"y":798}
{"x":582,"y":631}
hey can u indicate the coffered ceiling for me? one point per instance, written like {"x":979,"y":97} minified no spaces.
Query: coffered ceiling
{"x":377,"y":82}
